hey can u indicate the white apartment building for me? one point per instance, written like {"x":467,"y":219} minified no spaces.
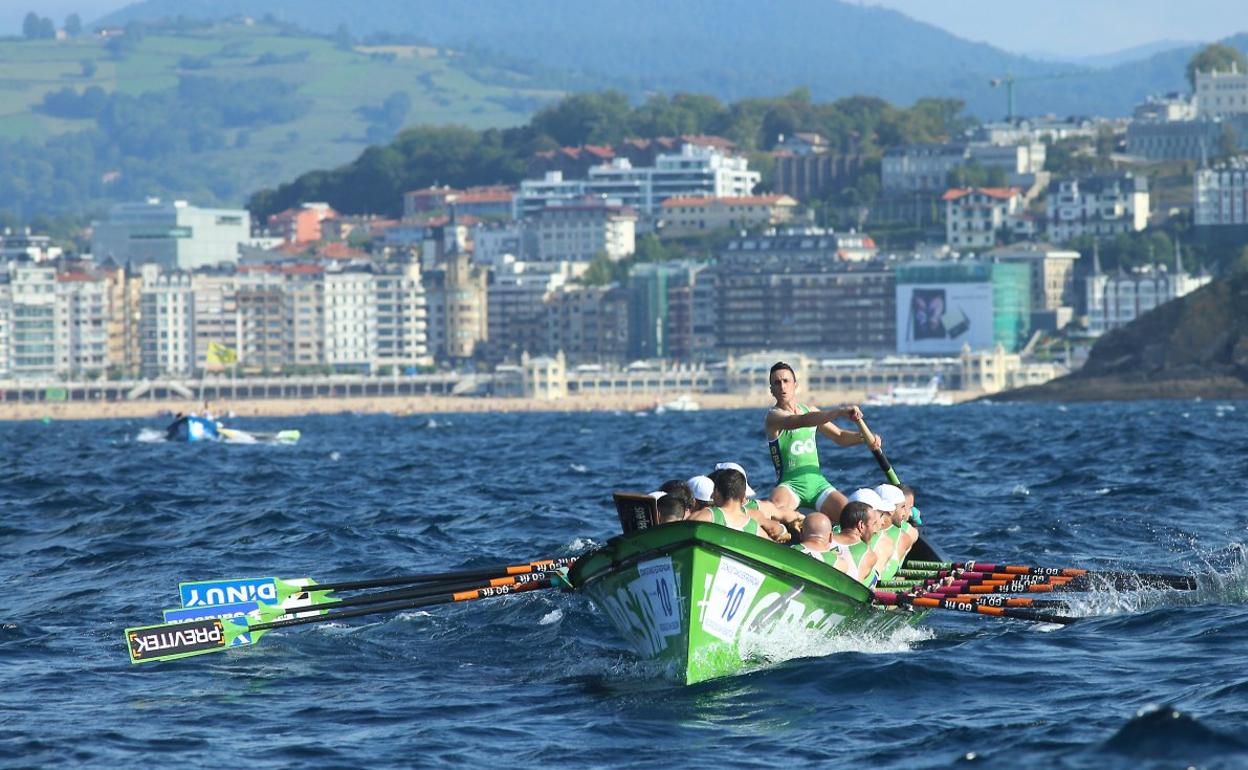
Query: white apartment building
{"x":166,"y":323}
{"x":173,"y":235}
{"x":1099,"y":205}
{"x":350,"y":318}
{"x":695,"y":171}
{"x":1116,"y":300}
{"x":691,"y":216}
{"x":571,"y":232}
{"x":6,"y":320}
{"x":926,"y":167}
{"x":1221,"y":94}
{"x":920,"y":167}
{"x":1222,"y":194}
{"x":1167,"y":108}
{"x":402,"y":318}
{"x":32,"y":329}
{"x":82,"y":321}
{"x":974,"y":216}
{"x":491,"y":242}
{"x":25,"y":246}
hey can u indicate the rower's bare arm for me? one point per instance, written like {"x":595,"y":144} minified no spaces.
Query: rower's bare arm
{"x":778,"y":420}
{"x":783,"y":515}
{"x":865,"y":565}
{"x":702,"y":515}
{"x":773,"y":530}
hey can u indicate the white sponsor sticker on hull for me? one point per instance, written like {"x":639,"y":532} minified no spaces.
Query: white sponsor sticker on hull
{"x":732,"y":593}
{"x":657,"y":583}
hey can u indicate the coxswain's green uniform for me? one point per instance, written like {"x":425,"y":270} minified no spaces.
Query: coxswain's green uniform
{"x":796,"y":458}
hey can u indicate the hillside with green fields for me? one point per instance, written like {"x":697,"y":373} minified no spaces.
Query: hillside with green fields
{"x":215,"y":112}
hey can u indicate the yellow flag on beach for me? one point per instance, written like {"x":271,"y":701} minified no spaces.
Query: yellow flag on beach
{"x":220,"y":354}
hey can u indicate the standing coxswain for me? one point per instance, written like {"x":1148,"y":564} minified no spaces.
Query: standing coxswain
{"x":791,"y":428}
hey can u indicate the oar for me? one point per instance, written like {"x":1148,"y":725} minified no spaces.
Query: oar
{"x":992,"y":600}
{"x":179,"y":640}
{"x":885,"y":465}
{"x":269,"y":611}
{"x":895,"y":599}
{"x":1180,"y":582}
{"x":276,"y":590}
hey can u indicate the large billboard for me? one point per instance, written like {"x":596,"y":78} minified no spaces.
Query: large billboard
{"x":939,"y":318}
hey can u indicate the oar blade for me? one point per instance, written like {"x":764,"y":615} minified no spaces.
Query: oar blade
{"x":266,"y":590}
{"x":170,"y":641}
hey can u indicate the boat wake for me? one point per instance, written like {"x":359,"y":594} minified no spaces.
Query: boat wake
{"x":150,"y":436}
{"x":767,"y":652}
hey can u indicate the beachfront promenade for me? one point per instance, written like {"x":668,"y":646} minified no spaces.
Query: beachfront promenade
{"x":534,"y":386}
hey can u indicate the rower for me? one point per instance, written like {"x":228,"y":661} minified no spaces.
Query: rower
{"x":703,"y":491}
{"x":898,"y":531}
{"x":791,"y":428}
{"x":854,"y":555}
{"x":816,"y":529}
{"x":670,"y":509}
{"x":879,"y":541}
{"x":763,"y":509}
{"x":916,"y":518}
{"x":729,"y":510}
{"x":679,"y":490}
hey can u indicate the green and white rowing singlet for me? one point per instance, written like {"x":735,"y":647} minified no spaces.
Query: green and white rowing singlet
{"x":750,"y":527}
{"x":796,"y":458}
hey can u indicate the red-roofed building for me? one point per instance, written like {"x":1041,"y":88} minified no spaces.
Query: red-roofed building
{"x":302,"y":224}
{"x":490,"y":201}
{"x":690,"y":216}
{"x":974,"y":216}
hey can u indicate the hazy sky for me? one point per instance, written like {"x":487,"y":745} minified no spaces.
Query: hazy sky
{"x":1077,"y":27}
{"x":1065,"y":27}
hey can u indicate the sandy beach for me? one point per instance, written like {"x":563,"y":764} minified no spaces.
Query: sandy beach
{"x":399,"y":406}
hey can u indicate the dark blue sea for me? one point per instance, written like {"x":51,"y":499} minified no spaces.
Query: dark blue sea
{"x":99,"y":523}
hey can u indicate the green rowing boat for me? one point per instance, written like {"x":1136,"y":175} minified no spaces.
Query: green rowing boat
{"x":707,"y":601}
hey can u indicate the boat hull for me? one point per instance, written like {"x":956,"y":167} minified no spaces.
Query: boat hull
{"x":192,"y":429}
{"x":705,"y":601}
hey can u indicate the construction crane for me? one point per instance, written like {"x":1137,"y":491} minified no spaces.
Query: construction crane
{"x":1009,"y":80}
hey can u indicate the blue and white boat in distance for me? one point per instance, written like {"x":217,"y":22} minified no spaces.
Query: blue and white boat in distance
{"x":192,"y":428}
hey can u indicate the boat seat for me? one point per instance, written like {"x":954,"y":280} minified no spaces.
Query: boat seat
{"x":637,"y":511}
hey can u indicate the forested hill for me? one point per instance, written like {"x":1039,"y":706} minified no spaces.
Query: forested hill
{"x":425,"y":155}
{"x":1193,"y":347}
{"x":728,"y":48}
{"x":214,"y":112}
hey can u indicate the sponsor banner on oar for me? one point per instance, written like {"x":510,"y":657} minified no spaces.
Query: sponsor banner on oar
{"x":166,"y":642}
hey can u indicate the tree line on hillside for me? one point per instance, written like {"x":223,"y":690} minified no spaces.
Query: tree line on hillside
{"x":36,"y":27}
{"x":150,"y":144}
{"x":426,"y":155}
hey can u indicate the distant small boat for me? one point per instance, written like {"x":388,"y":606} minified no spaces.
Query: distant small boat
{"x":191,"y":428}
{"x":910,"y":395}
{"x":684,"y":403}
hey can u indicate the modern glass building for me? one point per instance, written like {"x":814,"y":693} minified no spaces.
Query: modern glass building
{"x":173,"y":235}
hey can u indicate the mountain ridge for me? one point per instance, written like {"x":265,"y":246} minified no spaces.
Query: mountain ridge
{"x":834,"y":48}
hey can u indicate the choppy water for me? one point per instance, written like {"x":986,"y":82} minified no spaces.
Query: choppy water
{"x":98,"y":527}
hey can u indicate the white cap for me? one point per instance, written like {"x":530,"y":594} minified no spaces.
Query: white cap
{"x":891,"y":495}
{"x":873,"y":500}
{"x":702,"y":487}
{"x":749,"y":490}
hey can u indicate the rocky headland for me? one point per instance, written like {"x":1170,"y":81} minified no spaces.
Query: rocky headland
{"x":1193,"y":347}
